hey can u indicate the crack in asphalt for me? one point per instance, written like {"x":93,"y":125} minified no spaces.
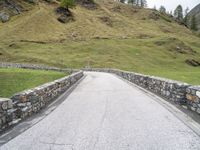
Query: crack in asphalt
{"x":101,"y":123}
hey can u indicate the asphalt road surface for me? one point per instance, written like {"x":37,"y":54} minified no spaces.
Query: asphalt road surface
{"x":106,"y":113}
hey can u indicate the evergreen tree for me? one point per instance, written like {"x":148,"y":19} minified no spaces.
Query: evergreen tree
{"x":178,"y":13}
{"x":186,"y":16}
{"x":193,"y":23}
{"x":133,"y":2}
{"x":137,"y":2}
{"x":162,"y":9}
{"x":143,"y":3}
{"x":68,"y":4}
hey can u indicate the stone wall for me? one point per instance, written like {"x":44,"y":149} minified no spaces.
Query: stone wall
{"x":193,"y":98}
{"x":178,"y":92}
{"x":35,"y":67}
{"x":28,"y":102}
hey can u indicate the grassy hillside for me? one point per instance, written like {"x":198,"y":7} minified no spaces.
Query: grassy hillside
{"x":16,"y":80}
{"x":113,"y":35}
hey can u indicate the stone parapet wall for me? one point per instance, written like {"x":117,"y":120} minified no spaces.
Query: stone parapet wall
{"x":6,"y":112}
{"x":28,"y":102}
{"x":193,"y":98}
{"x":35,"y":67}
{"x":179,"y":92}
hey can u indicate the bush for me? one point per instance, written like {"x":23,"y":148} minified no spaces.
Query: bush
{"x":68,"y":4}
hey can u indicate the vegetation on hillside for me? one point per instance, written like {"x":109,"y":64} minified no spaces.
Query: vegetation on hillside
{"x":111,"y":35}
{"x":67,"y":4}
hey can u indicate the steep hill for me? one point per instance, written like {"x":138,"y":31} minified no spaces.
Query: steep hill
{"x":111,"y":35}
{"x":195,"y":12}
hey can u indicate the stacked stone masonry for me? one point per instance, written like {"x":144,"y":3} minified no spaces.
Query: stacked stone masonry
{"x":179,"y":92}
{"x":31,"y":101}
{"x":35,"y":67}
{"x":193,"y":98}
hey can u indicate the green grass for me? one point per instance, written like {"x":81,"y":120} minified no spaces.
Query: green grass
{"x":16,"y":80}
{"x":138,"y":55}
{"x":130,"y":43}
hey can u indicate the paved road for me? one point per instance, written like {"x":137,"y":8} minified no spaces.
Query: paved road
{"x":106,"y":113}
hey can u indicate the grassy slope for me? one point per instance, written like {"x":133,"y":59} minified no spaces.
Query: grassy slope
{"x":16,"y":80}
{"x":129,"y":43}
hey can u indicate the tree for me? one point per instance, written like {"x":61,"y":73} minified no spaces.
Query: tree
{"x":178,"y":13}
{"x":68,"y":4}
{"x":186,"y":11}
{"x":193,"y":23}
{"x":186,"y":16}
{"x":133,"y":2}
{"x":140,"y":3}
{"x":143,"y":3}
{"x":162,"y":9}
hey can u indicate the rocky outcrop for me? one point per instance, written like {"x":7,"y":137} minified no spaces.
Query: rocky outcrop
{"x":9,"y":8}
{"x":193,"y":62}
{"x":4,"y":17}
{"x":65,"y":15}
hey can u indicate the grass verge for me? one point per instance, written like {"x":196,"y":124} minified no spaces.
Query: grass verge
{"x":16,"y":80}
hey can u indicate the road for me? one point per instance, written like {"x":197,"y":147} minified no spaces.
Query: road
{"x":106,"y":113}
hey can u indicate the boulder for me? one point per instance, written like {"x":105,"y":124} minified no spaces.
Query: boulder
{"x":63,"y":11}
{"x":4,"y":17}
{"x":65,"y":19}
{"x":65,"y":15}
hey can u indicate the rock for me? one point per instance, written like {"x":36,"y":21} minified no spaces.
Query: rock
{"x":33,"y":1}
{"x":66,"y":15}
{"x":4,"y":17}
{"x":65,"y":19}
{"x":193,"y":62}
{"x":5,"y":104}
{"x":63,"y":11}
{"x":89,"y":4}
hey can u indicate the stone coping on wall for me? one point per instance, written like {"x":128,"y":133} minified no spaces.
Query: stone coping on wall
{"x":179,"y":92}
{"x":28,"y":102}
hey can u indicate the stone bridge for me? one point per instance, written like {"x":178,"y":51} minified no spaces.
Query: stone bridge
{"x":109,"y":111}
